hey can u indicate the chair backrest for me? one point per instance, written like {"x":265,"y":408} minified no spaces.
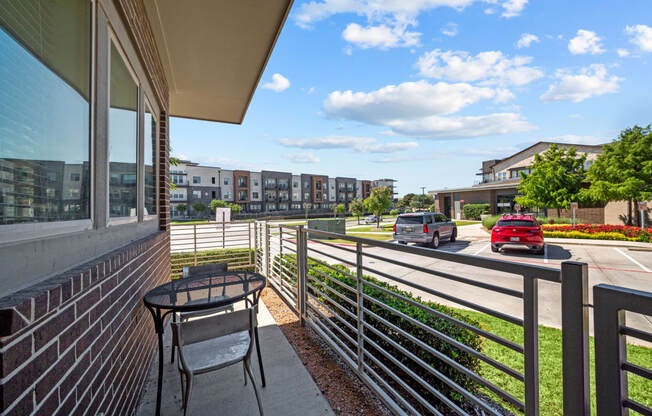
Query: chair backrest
{"x":205,"y":269}
{"x":215,"y":326}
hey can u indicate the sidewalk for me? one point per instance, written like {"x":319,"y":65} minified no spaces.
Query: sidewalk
{"x":290,"y":389}
{"x":632,"y":245}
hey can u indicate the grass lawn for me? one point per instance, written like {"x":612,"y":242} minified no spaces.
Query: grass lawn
{"x":550,"y":365}
{"x":462,"y":223}
{"x":381,"y":237}
{"x":383,"y":228}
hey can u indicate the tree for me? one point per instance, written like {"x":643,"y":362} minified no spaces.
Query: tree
{"x":339,"y":209}
{"x":181,"y":208}
{"x":420,"y":202}
{"x":405,"y":201}
{"x":378,"y":202}
{"x":356,"y":207}
{"x":199,"y":207}
{"x":218,"y":203}
{"x":623,"y":172}
{"x":235,"y":208}
{"x":555,"y":180}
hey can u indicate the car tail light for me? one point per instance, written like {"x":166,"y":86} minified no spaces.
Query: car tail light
{"x":497,"y":229}
{"x":425,"y":228}
{"x":394,"y":227}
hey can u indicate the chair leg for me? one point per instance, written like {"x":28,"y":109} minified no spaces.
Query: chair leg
{"x":174,"y":319}
{"x":244,"y":371}
{"x":260,"y":360}
{"x":183,"y":391}
{"x":187,"y":393}
{"x":253,"y":383}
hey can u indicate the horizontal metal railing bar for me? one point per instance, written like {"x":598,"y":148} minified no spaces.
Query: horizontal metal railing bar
{"x":278,"y":261}
{"x":332,"y":256}
{"x":637,"y":407}
{"x":502,"y":341}
{"x":289,"y":241}
{"x":527,"y":270}
{"x":333,"y":291}
{"x":488,"y":286}
{"x":339,"y":318}
{"x":496,"y":364}
{"x":452,"y":298}
{"x":334,"y":280}
{"x":638,"y":370}
{"x":344,"y":348}
{"x":404,"y":385}
{"x":335,"y":269}
{"x":350,"y":250}
{"x":426,"y":367}
{"x":202,"y":254}
{"x":636,"y":333}
{"x":384,"y":397}
{"x":204,"y":236}
{"x":396,"y":396}
{"x":457,"y":366}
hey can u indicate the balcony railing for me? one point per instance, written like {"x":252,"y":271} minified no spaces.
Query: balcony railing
{"x":342,"y":294}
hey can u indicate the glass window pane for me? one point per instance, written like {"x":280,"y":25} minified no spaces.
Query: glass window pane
{"x":44,"y":111}
{"x":150,"y":162}
{"x":123,"y":139}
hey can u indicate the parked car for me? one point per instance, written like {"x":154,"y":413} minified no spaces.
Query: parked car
{"x":425,"y":228}
{"x":372,"y":219}
{"x":517,"y":231}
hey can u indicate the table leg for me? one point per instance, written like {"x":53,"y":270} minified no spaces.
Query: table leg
{"x":260,"y":361}
{"x":158,"y":327}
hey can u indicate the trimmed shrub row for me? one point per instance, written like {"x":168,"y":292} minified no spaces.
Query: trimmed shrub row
{"x":233,"y":256}
{"x":474,"y":211}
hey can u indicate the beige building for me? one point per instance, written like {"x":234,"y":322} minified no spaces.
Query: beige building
{"x":499,"y":179}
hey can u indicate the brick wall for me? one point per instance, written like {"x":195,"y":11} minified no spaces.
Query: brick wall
{"x":81,"y":342}
{"x":164,"y":173}
{"x":583,"y":215}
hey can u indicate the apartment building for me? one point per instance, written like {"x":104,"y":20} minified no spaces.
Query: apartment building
{"x":265,"y":191}
{"x":499,"y":180}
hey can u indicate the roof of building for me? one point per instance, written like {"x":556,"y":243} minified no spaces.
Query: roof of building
{"x":500,"y":185}
{"x":497,"y":161}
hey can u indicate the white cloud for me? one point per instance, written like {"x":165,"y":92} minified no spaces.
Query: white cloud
{"x":406,"y":100}
{"x":503,"y":95}
{"x":491,"y":67}
{"x":622,"y":52}
{"x":513,"y":8}
{"x":585,"y":42}
{"x":588,"y":82}
{"x":526,"y":40}
{"x":641,"y":36}
{"x":450,"y":29}
{"x":348,"y":50}
{"x":490,"y":11}
{"x":358,"y":144}
{"x":461,"y":127}
{"x":279,"y":83}
{"x":307,"y":157}
{"x":380,"y":36}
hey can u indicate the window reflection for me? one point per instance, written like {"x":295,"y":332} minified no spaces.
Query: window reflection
{"x":150,"y":162}
{"x":123,"y":139}
{"x":44,"y":112}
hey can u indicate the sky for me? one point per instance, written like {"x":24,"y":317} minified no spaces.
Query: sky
{"x":423,"y":91}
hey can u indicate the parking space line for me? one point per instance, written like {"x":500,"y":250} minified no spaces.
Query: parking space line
{"x":482,"y":249}
{"x":545,"y":253}
{"x":630,"y":258}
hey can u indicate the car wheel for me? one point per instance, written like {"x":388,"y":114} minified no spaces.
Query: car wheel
{"x":540,"y":251}
{"x":495,"y":249}
{"x":453,"y":235}
{"x":435,"y":241}
{"x":403,"y":242}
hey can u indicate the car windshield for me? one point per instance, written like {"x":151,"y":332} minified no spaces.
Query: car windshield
{"x":410,"y":219}
{"x":516,"y":223}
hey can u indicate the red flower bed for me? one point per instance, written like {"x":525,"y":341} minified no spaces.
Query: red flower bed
{"x":627,"y":230}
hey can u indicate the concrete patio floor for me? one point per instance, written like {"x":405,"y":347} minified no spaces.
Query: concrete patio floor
{"x":290,"y":388}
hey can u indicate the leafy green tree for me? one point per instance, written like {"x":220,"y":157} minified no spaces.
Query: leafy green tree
{"x":181,"y":208}
{"x":378,"y":202}
{"x":339,"y":209}
{"x":420,"y":202}
{"x":555,"y":180}
{"x":199,"y":207}
{"x":218,"y":203}
{"x":356,"y":207}
{"x":623,"y":172}
{"x":235,"y":208}
{"x":405,"y":201}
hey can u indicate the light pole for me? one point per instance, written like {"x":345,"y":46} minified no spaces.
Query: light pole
{"x":574,"y":206}
{"x":642,"y":206}
{"x":423,"y":190}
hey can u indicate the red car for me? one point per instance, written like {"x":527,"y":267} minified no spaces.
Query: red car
{"x":517,"y":231}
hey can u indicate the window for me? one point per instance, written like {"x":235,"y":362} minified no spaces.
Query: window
{"x":213,"y":180}
{"x":242,"y":196}
{"x":295,"y":184}
{"x":306,"y":184}
{"x":74,"y":177}
{"x":150,"y":161}
{"x":196,"y":194}
{"x":283,"y":206}
{"x":270,"y":183}
{"x":227,"y":181}
{"x":196,"y":179}
{"x":242,"y":181}
{"x":44,"y":101}
{"x":306,"y":196}
{"x":213,"y":195}
{"x":227,"y":196}
{"x":283,"y":184}
{"x":256,"y":183}
{"x":123,"y":138}
{"x":409,"y":219}
{"x":318,"y":185}
{"x":254,"y":195}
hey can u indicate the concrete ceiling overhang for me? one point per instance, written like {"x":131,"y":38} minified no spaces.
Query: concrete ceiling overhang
{"x":214,"y":52}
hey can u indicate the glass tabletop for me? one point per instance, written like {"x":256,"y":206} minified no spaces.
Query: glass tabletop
{"x":205,"y":291}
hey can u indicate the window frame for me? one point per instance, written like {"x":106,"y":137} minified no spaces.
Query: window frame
{"x":157,"y":169}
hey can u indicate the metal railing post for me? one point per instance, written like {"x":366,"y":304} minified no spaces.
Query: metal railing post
{"x":194,"y":239}
{"x":249,"y":235}
{"x":575,"y":337}
{"x":302,"y":263}
{"x":531,"y":344}
{"x":267,"y":256}
{"x":223,"y":233}
{"x":256,"y":247}
{"x":360,"y":291}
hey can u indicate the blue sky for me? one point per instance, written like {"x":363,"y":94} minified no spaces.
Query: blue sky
{"x":422,"y":91}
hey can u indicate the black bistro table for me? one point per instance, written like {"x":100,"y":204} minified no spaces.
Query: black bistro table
{"x":197,"y":293}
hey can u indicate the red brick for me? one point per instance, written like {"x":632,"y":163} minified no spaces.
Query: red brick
{"x":70,"y":335}
{"x":16,"y":385}
{"x":15,"y":355}
{"x":86,"y":302}
{"x":55,"y":298}
{"x":67,"y":405}
{"x":49,"y":406}
{"x":23,"y":407}
{"x":71,"y":380}
{"x":53,"y":327}
{"x":45,"y":385}
{"x":88,"y":338}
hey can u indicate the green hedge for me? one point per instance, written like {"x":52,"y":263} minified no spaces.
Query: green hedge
{"x":235,"y":257}
{"x":394,"y":212}
{"x":473,"y":211}
{"x":443,"y":326}
{"x":490,"y":221}
{"x":553,"y":220}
